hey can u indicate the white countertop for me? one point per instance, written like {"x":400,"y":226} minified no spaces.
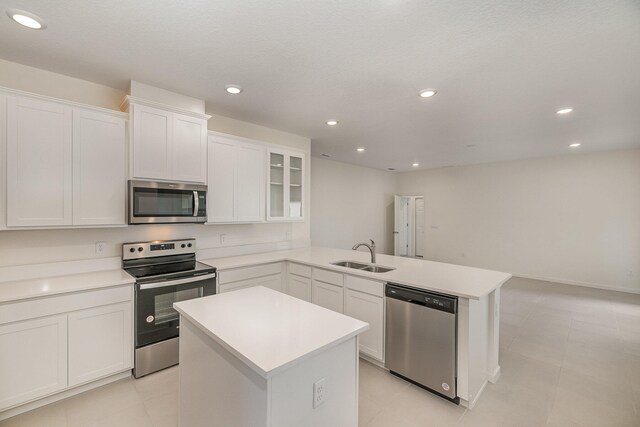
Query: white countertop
{"x":458,"y":280}
{"x":36,"y":288}
{"x":268,"y":330}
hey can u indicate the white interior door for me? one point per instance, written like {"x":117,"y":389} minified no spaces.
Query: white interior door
{"x":419,"y":227}
{"x":401,"y":226}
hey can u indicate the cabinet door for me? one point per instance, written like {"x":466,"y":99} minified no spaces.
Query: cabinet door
{"x":370,"y":309}
{"x":189,"y":149}
{"x":99,"y":175}
{"x":272,"y":282}
{"x":299,"y":287}
{"x":296,"y":186}
{"x":152,"y":132}
{"x":39,"y":156}
{"x":327,"y":296}
{"x":277,"y":185}
{"x":285,"y":198}
{"x":100,"y":342}
{"x":250,"y":187}
{"x":221,"y":186}
{"x":33,"y":359}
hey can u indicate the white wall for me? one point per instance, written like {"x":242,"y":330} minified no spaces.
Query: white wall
{"x":44,"y":246}
{"x":351,"y":204}
{"x":572,"y":219}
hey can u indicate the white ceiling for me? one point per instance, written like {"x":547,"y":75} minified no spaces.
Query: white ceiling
{"x":501,"y":69}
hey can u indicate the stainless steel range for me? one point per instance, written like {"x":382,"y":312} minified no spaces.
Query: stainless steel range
{"x":165,"y":272}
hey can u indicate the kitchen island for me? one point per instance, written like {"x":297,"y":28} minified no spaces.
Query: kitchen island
{"x":256,"y":357}
{"x":310,"y":273}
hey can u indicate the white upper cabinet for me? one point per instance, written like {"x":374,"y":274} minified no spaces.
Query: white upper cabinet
{"x":236,"y":180}
{"x":189,"y":149}
{"x":152,"y":130}
{"x":39,"y":173}
{"x":285,"y":199}
{"x":168,"y":145}
{"x":66,"y":165}
{"x":99,"y":172}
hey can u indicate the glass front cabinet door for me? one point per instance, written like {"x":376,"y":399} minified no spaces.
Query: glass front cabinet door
{"x":286,"y":186}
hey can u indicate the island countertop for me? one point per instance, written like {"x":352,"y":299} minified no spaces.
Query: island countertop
{"x":268,"y":330}
{"x":457,"y":280}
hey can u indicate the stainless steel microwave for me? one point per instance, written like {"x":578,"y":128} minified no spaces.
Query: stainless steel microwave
{"x":152,"y":202}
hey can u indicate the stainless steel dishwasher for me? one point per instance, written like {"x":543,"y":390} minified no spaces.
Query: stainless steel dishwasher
{"x":421,"y":338}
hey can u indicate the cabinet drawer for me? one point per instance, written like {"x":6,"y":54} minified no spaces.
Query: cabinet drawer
{"x":300,"y":270}
{"x":29,"y":309}
{"x":245,"y":273}
{"x":273,"y":281}
{"x":328,"y":276}
{"x":371,"y":287}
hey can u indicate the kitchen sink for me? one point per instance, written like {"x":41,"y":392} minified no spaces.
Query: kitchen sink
{"x":377,"y":269}
{"x":364,"y":267}
{"x":350,"y":264}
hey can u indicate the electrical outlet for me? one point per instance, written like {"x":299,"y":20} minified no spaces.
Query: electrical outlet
{"x":319,"y":393}
{"x":100,"y":247}
{"x":223,"y":239}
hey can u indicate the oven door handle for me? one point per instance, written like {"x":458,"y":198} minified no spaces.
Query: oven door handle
{"x":177,"y":282}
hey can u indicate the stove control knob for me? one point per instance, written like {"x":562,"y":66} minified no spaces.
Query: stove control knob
{"x":189,"y":245}
{"x":183,"y":246}
{"x":132,"y":250}
{"x":140,"y":249}
{"x":150,"y":319}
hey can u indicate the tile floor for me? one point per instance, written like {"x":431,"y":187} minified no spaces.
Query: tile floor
{"x":570,"y":356}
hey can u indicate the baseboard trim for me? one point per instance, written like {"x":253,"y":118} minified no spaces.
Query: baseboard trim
{"x":577,"y":283}
{"x":26,"y":407}
{"x":495,"y":375}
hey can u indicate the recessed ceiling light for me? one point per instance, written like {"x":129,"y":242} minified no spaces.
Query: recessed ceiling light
{"x":325,"y":155}
{"x":360,"y":149}
{"x":391,"y":169}
{"x":427,"y":93}
{"x":415,"y":165}
{"x":27,"y":19}
{"x":233,"y":89}
{"x":564,"y":110}
{"x":471,"y":145}
{"x":575,"y":145}
{"x":332,"y":122}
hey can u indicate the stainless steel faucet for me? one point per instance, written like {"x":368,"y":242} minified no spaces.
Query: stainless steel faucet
{"x":371,"y":247}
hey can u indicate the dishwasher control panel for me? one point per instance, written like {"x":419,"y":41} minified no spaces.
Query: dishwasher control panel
{"x":445,"y":303}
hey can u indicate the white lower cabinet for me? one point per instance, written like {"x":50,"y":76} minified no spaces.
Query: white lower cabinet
{"x":100,"y":342}
{"x":299,"y":287}
{"x":51,"y":344}
{"x":268,"y":275}
{"x":273,"y":282}
{"x":370,"y":309}
{"x":327,"y":295}
{"x":33,"y":359}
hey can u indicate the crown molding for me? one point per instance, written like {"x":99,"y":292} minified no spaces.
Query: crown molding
{"x":132,"y":100}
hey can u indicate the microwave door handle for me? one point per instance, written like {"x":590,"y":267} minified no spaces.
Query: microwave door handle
{"x":196,"y":203}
